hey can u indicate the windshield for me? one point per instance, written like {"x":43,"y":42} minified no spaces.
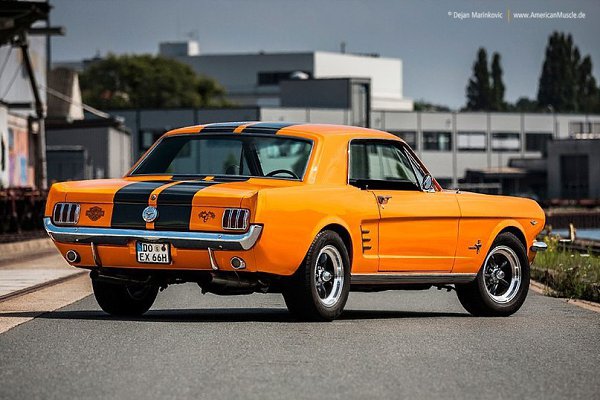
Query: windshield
{"x":239,"y":155}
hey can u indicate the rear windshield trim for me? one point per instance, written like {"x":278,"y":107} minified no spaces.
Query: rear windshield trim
{"x":133,"y":173}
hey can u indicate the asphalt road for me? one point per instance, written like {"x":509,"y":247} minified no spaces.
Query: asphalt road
{"x":387,"y":345}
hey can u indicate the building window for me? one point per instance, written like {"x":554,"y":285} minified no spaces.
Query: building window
{"x":410,"y":137}
{"x":537,"y":141}
{"x":148,"y":137}
{"x":577,"y":128}
{"x":574,"y":176}
{"x":506,"y":141}
{"x":437,"y":141}
{"x":273,"y":78}
{"x":471,"y":141}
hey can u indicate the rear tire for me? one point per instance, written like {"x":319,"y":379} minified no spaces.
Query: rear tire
{"x":124,"y":300}
{"x":502,"y":283}
{"x":319,"y":289}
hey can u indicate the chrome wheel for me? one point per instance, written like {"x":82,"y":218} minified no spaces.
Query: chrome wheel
{"x":329,"y":276}
{"x":502,"y":274}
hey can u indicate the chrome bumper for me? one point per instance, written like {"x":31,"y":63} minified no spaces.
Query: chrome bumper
{"x":183,"y":240}
{"x":538,"y":246}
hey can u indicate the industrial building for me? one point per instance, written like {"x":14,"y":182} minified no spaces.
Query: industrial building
{"x":500,"y":146}
{"x":254,"y":79}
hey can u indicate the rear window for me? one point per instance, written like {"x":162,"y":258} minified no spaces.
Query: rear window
{"x":239,"y":155}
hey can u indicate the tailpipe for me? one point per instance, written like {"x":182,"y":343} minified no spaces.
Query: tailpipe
{"x":230,"y":284}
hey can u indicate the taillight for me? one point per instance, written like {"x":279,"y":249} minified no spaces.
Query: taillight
{"x":236,"y":219}
{"x":66,"y":213}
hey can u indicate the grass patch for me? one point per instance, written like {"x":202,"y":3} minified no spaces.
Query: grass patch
{"x":569,"y":274}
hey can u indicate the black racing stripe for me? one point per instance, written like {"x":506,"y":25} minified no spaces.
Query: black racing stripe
{"x":226,"y":127}
{"x":267,"y":127}
{"x":128,"y":216}
{"x":174,"y":205}
{"x":181,"y":193}
{"x":137,"y":192}
{"x":130,"y":201}
{"x":173,"y":218}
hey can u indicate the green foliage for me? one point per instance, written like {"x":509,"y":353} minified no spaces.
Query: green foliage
{"x":588,"y":94}
{"x":478,"y":89}
{"x":422,"y":105}
{"x":146,"y":81}
{"x":566,"y":82}
{"x":485,"y":92}
{"x":568,"y":274}
{"x":497,"y":89}
{"x":523,"y":104}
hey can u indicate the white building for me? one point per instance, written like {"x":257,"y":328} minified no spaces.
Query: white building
{"x":254,"y":79}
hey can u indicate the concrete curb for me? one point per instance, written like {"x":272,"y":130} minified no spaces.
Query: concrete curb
{"x":41,"y":285}
{"x":545,"y":290}
{"x":11,"y":252}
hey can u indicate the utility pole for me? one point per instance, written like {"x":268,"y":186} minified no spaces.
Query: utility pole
{"x":40,"y":137}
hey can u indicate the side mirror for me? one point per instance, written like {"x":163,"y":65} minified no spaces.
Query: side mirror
{"x":427,"y":185}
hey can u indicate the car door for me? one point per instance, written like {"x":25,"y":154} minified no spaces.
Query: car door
{"x":418,"y":229}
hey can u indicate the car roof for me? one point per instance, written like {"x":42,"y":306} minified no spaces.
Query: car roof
{"x":286,"y":128}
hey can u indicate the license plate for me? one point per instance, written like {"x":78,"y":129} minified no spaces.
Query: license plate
{"x":153,"y":253}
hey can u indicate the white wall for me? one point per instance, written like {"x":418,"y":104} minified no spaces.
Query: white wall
{"x":239,"y":72}
{"x":385,"y":75}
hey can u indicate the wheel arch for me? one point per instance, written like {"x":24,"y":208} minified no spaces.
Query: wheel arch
{"x":517,"y":232}
{"x":507,"y":225}
{"x":344,"y":234}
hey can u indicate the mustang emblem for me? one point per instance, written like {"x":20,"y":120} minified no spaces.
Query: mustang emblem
{"x":95,"y":213}
{"x":149,"y":214}
{"x":206,"y":215}
{"x":476,"y":246}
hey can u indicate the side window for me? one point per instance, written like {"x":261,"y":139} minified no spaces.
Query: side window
{"x":381,"y":165}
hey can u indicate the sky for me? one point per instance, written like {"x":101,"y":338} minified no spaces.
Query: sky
{"x":436,"y":46}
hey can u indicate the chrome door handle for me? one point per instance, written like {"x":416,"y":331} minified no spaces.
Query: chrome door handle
{"x":383,"y":199}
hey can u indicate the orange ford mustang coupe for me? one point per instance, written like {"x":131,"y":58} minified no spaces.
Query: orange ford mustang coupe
{"x":309,"y":211}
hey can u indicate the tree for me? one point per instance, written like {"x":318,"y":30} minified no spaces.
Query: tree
{"x":498,"y":88}
{"x":146,"y":81}
{"x":566,"y":81}
{"x":422,"y":105}
{"x":523,"y":104}
{"x":587,"y":91}
{"x":478,"y":89}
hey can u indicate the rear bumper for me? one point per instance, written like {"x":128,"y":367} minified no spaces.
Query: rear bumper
{"x":183,"y":240}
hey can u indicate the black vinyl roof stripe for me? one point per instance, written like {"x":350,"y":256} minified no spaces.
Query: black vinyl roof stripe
{"x":267,"y":127}
{"x":221,"y":127}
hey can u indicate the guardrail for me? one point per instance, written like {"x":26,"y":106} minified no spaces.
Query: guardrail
{"x":21,"y":211}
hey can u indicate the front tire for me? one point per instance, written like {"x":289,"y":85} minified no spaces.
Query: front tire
{"x":319,"y":289}
{"x":124,"y":300}
{"x":502,"y":283}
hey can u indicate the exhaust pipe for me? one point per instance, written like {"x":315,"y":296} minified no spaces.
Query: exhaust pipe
{"x":119,"y":280}
{"x":225,"y":284}
{"x":72,"y":256}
